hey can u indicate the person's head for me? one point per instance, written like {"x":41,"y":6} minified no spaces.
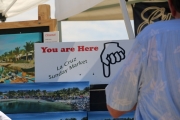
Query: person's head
{"x":174,"y":6}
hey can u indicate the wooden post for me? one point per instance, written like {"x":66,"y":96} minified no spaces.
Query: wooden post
{"x":44,"y":12}
{"x":43,"y":20}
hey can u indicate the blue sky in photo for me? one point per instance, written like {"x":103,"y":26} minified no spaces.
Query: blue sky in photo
{"x":48,"y":86}
{"x":101,"y":115}
{"x":48,"y":116}
{"x":9,"y":42}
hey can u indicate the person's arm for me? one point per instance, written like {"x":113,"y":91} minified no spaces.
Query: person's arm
{"x":122,"y":92}
{"x":116,"y":113}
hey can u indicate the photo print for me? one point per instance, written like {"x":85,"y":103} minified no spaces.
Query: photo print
{"x":44,"y":97}
{"x":50,"y":116}
{"x":17,"y":57}
{"x":104,"y":115}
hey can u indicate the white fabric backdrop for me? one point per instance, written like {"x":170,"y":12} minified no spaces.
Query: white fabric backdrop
{"x":19,"y":7}
{"x":67,"y":8}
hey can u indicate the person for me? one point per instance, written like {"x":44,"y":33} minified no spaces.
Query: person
{"x":149,"y":81}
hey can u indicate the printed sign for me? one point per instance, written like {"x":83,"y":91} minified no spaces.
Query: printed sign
{"x":51,"y":37}
{"x":97,"y":62}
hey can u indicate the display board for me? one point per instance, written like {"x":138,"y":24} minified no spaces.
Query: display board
{"x":80,"y":61}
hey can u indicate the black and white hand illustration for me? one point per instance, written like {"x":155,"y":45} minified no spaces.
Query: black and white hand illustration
{"x":114,"y":54}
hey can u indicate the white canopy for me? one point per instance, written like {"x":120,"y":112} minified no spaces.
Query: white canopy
{"x":14,"y":7}
{"x":77,"y":10}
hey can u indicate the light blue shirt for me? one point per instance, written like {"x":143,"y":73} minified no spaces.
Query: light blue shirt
{"x":150,"y":76}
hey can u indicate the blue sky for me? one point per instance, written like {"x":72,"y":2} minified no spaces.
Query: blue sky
{"x":49,"y":86}
{"x":11,"y":41}
{"x":73,"y":31}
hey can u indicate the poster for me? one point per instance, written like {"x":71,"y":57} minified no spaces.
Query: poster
{"x":50,"y":116}
{"x":104,"y":115}
{"x":17,"y":57}
{"x":44,"y":97}
{"x":80,"y":61}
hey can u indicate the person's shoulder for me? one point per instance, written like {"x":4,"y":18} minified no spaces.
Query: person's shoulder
{"x":162,"y":25}
{"x":159,"y":27}
{"x":156,"y":25}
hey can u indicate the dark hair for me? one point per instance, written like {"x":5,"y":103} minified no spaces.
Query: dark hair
{"x":176,"y":4}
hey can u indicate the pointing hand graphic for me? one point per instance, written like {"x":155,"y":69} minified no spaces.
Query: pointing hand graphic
{"x":112,"y":55}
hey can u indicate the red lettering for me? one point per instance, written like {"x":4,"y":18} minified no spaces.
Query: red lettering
{"x":55,"y":50}
{"x":47,"y":35}
{"x":49,"y":50}
{"x":72,"y":49}
{"x":44,"y":49}
{"x":63,"y":50}
{"x":82,"y":48}
{"x":87,"y":49}
{"x":67,"y":49}
{"x":96,"y":48}
{"x":91,"y":48}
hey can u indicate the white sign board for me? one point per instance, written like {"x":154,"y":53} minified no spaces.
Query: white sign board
{"x":80,"y":61}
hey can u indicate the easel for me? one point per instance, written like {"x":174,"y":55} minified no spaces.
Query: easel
{"x":43,"y":20}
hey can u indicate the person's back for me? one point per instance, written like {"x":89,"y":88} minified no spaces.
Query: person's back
{"x":150,"y":78}
{"x":160,"y":89}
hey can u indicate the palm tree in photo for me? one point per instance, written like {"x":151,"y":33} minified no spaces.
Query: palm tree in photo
{"x":17,"y":52}
{"x":27,"y":49}
{"x":76,"y":91}
{"x":38,"y":93}
{"x":50,"y":95}
{"x":1,"y":58}
{"x":86,"y":90}
{"x":5,"y":56}
{"x":33,"y":93}
{"x":22,"y":53}
{"x":64,"y":93}
{"x":11,"y":55}
{"x":16,"y":94}
{"x":32,"y":50}
{"x":20,"y":93}
{"x":44,"y":94}
{"x":69,"y":92}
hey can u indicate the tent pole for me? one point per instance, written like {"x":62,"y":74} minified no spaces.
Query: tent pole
{"x":60,"y":31}
{"x":126,"y":19}
{"x":3,"y":14}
